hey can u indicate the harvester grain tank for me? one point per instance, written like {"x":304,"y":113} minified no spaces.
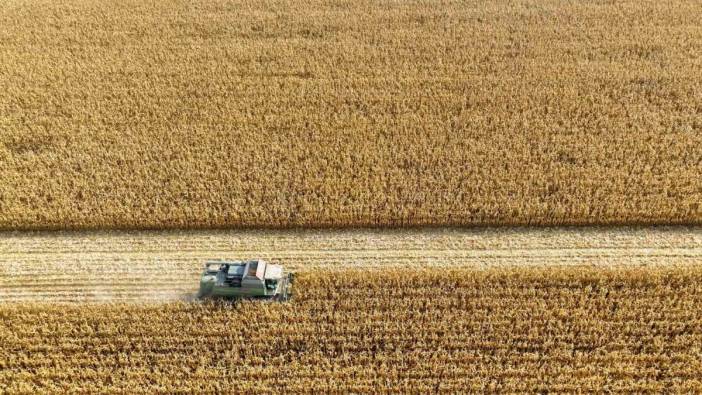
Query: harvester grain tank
{"x":245,"y":279}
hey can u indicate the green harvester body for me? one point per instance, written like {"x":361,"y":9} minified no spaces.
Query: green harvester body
{"x":245,"y":280}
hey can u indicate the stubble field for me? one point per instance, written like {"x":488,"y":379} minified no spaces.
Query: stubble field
{"x":413,"y":311}
{"x":218,"y":113}
{"x":165,"y":265}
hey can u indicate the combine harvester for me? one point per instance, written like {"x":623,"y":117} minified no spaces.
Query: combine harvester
{"x":255,"y":279}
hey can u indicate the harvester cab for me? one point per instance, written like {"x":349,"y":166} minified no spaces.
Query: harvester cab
{"x":245,"y":279}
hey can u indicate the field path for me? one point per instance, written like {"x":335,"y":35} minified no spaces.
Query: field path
{"x":160,"y":266}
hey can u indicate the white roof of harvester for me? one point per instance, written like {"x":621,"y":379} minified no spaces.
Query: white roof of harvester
{"x":274,"y":272}
{"x":265,"y":270}
{"x":255,"y":268}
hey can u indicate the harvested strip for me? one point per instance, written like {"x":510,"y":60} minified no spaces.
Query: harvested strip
{"x":80,"y":266}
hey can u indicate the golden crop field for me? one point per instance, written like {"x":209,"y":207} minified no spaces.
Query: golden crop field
{"x":213,"y":113}
{"x":409,"y":330}
{"x":374,"y":311}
